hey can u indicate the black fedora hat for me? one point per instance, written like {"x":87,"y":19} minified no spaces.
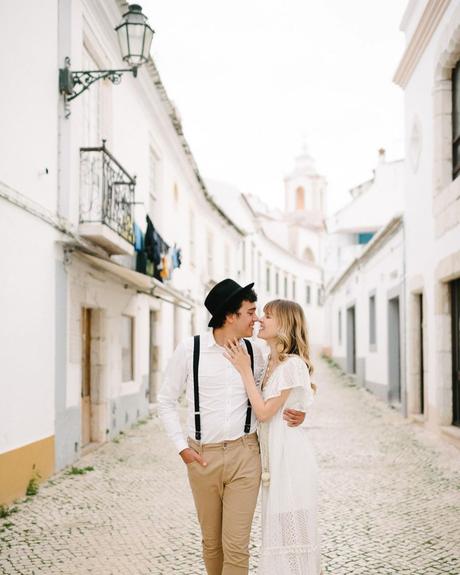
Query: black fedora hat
{"x":220,"y":295}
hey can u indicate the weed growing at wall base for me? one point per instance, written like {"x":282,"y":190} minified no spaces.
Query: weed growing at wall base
{"x":79,"y":470}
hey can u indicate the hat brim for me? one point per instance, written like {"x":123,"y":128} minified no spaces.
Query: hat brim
{"x":227,"y":299}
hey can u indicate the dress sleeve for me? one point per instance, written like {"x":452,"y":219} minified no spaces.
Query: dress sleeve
{"x":294,"y":375}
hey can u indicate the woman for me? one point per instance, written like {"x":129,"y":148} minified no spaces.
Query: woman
{"x":290,"y":544}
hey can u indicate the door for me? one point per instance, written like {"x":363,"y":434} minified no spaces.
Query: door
{"x":422,"y":380}
{"x":351,"y":340}
{"x":154,"y":348}
{"x":86,"y":377}
{"x":394,"y":352}
{"x":455,"y":294}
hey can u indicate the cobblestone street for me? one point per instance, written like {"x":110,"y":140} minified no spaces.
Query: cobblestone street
{"x":390,"y":501}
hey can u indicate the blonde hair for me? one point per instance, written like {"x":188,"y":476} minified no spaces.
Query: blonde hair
{"x":292,"y":331}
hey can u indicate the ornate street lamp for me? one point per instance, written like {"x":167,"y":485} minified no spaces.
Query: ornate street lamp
{"x":135,"y":38}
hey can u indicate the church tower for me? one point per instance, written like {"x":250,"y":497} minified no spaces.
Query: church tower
{"x":305,"y":208}
{"x":305,"y":189}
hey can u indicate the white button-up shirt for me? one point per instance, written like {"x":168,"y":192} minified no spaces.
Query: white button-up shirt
{"x":223,"y":398}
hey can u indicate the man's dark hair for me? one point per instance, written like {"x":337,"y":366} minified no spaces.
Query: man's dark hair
{"x":233,"y":305}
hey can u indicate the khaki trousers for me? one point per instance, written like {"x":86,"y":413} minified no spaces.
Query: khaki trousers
{"x":225,"y":494}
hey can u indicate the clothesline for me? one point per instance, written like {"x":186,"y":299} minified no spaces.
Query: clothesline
{"x":154,"y":256}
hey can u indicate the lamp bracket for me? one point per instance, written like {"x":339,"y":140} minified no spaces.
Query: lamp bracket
{"x":72,"y":83}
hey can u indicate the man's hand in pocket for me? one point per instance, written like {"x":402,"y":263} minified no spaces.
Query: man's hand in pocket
{"x":189,"y":455}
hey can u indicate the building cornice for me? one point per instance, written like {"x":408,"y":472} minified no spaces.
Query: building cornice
{"x":434,"y":11}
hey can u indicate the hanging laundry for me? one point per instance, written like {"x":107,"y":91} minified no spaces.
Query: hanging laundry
{"x":175,"y":257}
{"x":138,"y":238}
{"x":161,"y":259}
{"x":164,"y":273}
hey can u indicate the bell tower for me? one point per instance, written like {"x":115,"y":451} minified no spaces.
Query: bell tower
{"x":305,"y":189}
{"x":305,"y":208}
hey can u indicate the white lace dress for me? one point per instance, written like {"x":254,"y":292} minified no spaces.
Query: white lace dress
{"x":290,"y":543}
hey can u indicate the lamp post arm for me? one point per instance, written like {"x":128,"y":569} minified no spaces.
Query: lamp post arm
{"x":73,"y":83}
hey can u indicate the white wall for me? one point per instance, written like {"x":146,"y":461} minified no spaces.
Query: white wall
{"x":433,"y":213}
{"x":27,"y":295}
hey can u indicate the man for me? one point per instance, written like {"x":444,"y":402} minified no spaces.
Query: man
{"x":222,"y":450}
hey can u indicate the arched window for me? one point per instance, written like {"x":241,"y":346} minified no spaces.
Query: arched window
{"x":300,"y":198}
{"x":308,"y":255}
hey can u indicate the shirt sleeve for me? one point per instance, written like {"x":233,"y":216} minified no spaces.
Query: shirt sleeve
{"x":172,"y":387}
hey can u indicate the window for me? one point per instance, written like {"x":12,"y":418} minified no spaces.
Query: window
{"x":365,"y":238}
{"x":253,"y":262}
{"x":243,"y":256}
{"x":456,"y":121}
{"x":277,"y":282}
{"x":340,"y":326}
{"x":372,"y":321}
{"x":285,"y":286}
{"x":259,"y":268}
{"x":91,"y":104}
{"x":300,"y":199}
{"x":176,"y":195}
{"x":308,"y":255}
{"x":319,"y":296}
{"x":153,"y":180}
{"x":267,"y":278}
{"x":127,"y":348}
{"x":293,"y":289}
{"x":192,"y":237}
{"x":308,"y":295}
{"x":210,"y":251}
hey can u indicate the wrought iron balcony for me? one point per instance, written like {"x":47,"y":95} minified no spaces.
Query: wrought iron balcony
{"x":106,"y":201}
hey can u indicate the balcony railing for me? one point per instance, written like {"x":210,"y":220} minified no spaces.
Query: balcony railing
{"x":106,"y":192}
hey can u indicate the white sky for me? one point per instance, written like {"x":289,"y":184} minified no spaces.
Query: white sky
{"x":253,"y":79}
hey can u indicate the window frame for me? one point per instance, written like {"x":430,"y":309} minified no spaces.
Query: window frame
{"x":455,"y":120}
{"x":131,"y":349}
{"x":372,"y":321}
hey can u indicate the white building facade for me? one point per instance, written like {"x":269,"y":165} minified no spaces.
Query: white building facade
{"x":429,"y":75}
{"x":364,"y":267}
{"x":365,"y":314}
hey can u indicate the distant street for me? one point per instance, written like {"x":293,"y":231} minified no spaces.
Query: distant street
{"x":390,"y":501}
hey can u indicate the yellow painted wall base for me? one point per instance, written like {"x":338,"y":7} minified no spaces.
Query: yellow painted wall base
{"x":19,"y":466}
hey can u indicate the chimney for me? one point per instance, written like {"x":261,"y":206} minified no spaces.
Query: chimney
{"x":382,"y":155}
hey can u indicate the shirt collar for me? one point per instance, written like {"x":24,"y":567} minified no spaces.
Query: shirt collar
{"x":212,"y":340}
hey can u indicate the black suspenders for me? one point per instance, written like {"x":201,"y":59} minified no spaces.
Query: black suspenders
{"x":196,"y":393}
{"x":247,"y":425}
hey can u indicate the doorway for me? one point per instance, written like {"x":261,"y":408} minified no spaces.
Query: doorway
{"x":351,"y":340}
{"x":86,"y":322}
{"x":154,"y":359}
{"x":455,"y":300}
{"x":394,"y":352}
{"x":422,"y":379}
